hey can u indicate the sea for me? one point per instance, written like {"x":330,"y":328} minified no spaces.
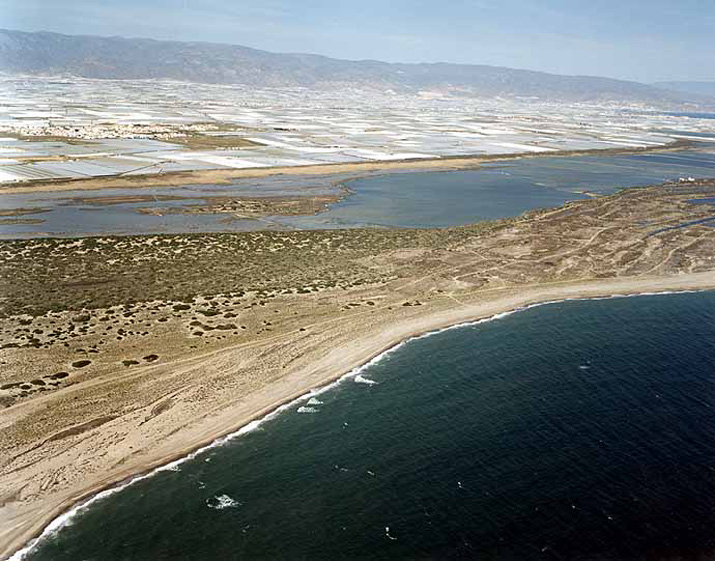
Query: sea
{"x":579,"y":430}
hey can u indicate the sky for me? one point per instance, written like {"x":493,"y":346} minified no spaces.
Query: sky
{"x":643,"y":40}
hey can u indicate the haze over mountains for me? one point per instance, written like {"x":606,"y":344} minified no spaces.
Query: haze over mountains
{"x":699,"y":88}
{"x":44,"y":53}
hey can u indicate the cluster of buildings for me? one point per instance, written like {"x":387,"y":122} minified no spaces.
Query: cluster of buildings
{"x":103,"y":130}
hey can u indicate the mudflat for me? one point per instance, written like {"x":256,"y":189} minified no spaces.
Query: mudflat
{"x":120,"y":354}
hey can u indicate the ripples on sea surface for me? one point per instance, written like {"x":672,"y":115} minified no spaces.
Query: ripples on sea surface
{"x":560,"y":432}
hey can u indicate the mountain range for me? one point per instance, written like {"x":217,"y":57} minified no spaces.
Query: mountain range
{"x":45,"y":53}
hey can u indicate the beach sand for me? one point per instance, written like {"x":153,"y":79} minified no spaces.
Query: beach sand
{"x":322,"y":368}
{"x":157,"y":389}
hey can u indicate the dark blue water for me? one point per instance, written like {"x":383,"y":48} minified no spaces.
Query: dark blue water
{"x":561,"y":432}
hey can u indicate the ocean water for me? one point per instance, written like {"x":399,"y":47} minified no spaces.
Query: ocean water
{"x":582,"y":430}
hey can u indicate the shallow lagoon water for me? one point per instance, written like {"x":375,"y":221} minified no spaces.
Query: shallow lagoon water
{"x":72,"y":213}
{"x":403,"y":199}
{"x":559,"y":432}
{"x":498,"y":190}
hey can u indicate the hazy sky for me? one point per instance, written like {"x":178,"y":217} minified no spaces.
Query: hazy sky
{"x":646,"y":40}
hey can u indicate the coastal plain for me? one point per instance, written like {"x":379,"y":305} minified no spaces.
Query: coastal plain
{"x":119,"y":354}
{"x":77,"y":132}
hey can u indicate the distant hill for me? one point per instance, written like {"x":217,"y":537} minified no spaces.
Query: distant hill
{"x":43,"y":53}
{"x":698,"y":88}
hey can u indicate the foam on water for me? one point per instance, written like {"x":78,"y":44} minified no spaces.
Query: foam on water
{"x":308,"y":410}
{"x":220,"y":502}
{"x":362,"y":380}
{"x":66,"y":518}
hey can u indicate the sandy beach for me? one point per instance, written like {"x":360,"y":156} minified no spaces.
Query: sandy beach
{"x":326,"y":367}
{"x":296,"y":281}
{"x":191,"y":337}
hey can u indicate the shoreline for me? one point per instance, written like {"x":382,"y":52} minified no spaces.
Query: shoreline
{"x":226,"y":176}
{"x":322,"y":374}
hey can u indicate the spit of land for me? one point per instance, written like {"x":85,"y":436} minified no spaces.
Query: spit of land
{"x":120,"y":354}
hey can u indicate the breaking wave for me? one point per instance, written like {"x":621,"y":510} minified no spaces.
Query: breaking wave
{"x":67,"y":517}
{"x":220,"y":502}
{"x":308,"y":410}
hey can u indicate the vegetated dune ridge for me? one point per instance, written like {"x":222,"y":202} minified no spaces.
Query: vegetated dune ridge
{"x":122,"y":354}
{"x":227,"y":176}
